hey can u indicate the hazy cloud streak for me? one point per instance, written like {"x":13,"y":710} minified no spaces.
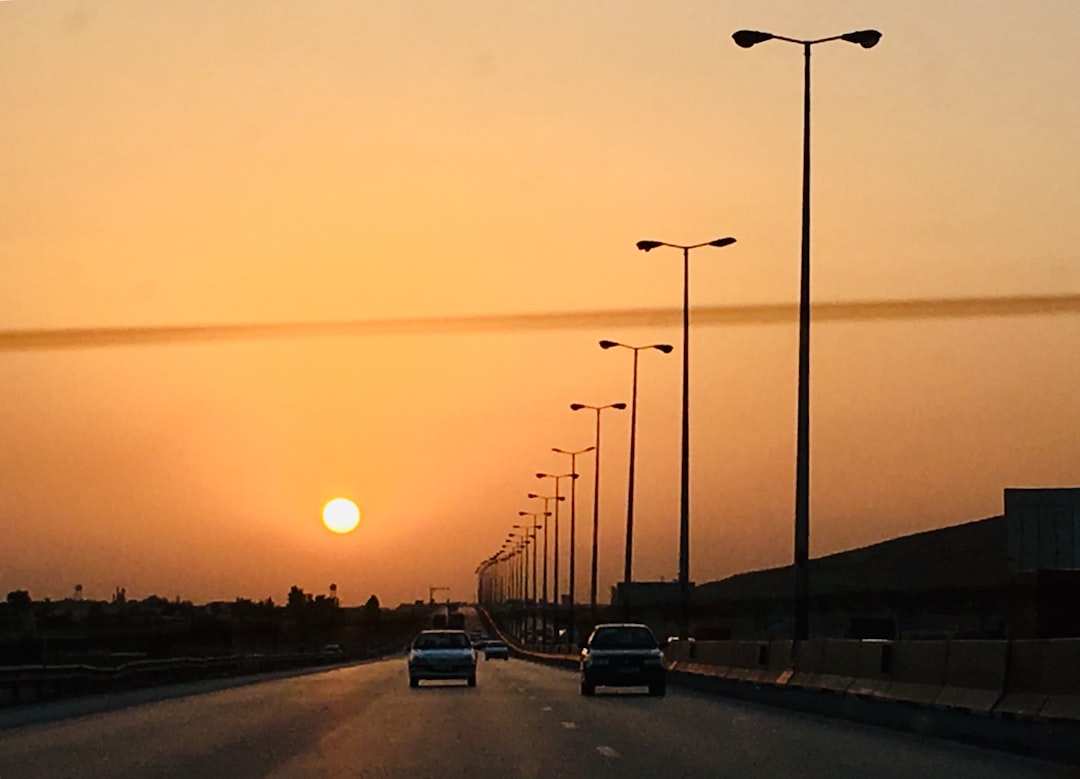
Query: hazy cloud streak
{"x":758,"y":314}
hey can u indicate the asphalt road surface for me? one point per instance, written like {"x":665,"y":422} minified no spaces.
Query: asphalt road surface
{"x":522,"y":720}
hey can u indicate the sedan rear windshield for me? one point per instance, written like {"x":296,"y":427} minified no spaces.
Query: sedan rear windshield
{"x":442,"y":641}
{"x":623,"y":638}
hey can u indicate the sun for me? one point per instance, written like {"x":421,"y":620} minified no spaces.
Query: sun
{"x":341,"y":515}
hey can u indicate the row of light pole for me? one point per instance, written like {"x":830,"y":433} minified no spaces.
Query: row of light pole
{"x":800,"y":630}
{"x":557,"y":497}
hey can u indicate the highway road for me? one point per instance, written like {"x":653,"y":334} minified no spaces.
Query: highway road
{"x":522,"y":720}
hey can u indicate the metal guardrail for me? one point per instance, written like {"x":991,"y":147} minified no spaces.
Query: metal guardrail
{"x":33,"y":683}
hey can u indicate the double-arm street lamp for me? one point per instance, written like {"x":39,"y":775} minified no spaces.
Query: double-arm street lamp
{"x":536,"y":527}
{"x":684,"y":492}
{"x":628,"y":563}
{"x":510,"y":546}
{"x":525,"y":533}
{"x":596,"y":498}
{"x":485,"y":580}
{"x":745,"y":39}
{"x":521,"y":549}
{"x":516,"y":543}
{"x":557,"y":478}
{"x":573,"y":528}
{"x":544,"y":596}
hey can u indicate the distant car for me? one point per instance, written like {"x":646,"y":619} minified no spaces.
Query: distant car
{"x":442,"y":654}
{"x":333,"y":650}
{"x":622,"y":655}
{"x":496,"y":649}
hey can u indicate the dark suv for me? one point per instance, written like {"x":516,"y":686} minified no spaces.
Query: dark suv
{"x":622,"y":655}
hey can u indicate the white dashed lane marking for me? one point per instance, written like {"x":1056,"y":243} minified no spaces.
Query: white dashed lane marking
{"x":546,"y":708}
{"x":607,"y":751}
{"x":569,"y":725}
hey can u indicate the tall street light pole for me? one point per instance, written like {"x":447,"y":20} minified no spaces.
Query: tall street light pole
{"x":521,"y":550}
{"x":536,"y":527}
{"x":511,"y":567}
{"x":504,"y":573}
{"x":745,"y":39}
{"x":684,"y":492}
{"x":547,"y":513}
{"x":532,"y":531}
{"x":514,"y":539}
{"x":556,"y":478}
{"x":573,"y":532}
{"x":596,"y":499}
{"x":629,"y":561}
{"x":525,"y":562}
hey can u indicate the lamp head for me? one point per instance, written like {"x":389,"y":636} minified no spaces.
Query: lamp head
{"x":746,"y":38}
{"x":868,"y":39}
{"x":619,"y":406}
{"x":607,"y":344}
{"x":533,"y":495}
{"x":541,"y":475}
{"x":722,"y":242}
{"x":577,"y":406}
{"x":665,"y":348}
{"x":523,"y":514}
{"x":646,"y":246}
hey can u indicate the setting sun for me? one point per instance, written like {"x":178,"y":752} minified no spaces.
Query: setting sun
{"x":341,"y":515}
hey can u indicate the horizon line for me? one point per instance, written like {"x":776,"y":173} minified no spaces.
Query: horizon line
{"x":42,"y":339}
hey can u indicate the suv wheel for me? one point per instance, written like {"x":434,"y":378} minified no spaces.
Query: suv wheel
{"x":414,"y":682}
{"x":658,"y":689}
{"x":472,"y":680}
{"x":587,"y":687}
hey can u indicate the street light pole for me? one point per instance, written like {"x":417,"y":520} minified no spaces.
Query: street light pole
{"x":536,"y":527}
{"x":596,"y":499}
{"x":547,"y":513}
{"x":556,"y":478}
{"x":684,"y":490}
{"x":628,"y":563}
{"x":516,"y":585}
{"x":573,"y":531}
{"x":801,"y":625}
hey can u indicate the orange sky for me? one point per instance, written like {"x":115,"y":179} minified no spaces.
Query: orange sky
{"x":191,"y":162}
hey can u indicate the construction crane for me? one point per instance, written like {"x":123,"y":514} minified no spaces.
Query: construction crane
{"x":433,"y":590}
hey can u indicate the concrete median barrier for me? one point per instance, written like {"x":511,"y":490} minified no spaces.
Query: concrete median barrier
{"x":873,"y":669}
{"x":974,"y":675}
{"x":1043,"y":679}
{"x":745,"y":660}
{"x":779,"y":664}
{"x":1062,"y":679}
{"x":839,"y":661}
{"x":711,"y":658}
{"x":809,"y":660}
{"x":677,"y":654}
{"x":917,"y":671}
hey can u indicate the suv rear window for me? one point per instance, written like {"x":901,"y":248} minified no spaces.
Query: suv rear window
{"x":623,"y":638}
{"x":442,"y":641}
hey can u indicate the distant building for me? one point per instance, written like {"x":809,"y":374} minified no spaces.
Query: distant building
{"x":1014,"y":575}
{"x":644,"y":594}
{"x":1042,"y":529}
